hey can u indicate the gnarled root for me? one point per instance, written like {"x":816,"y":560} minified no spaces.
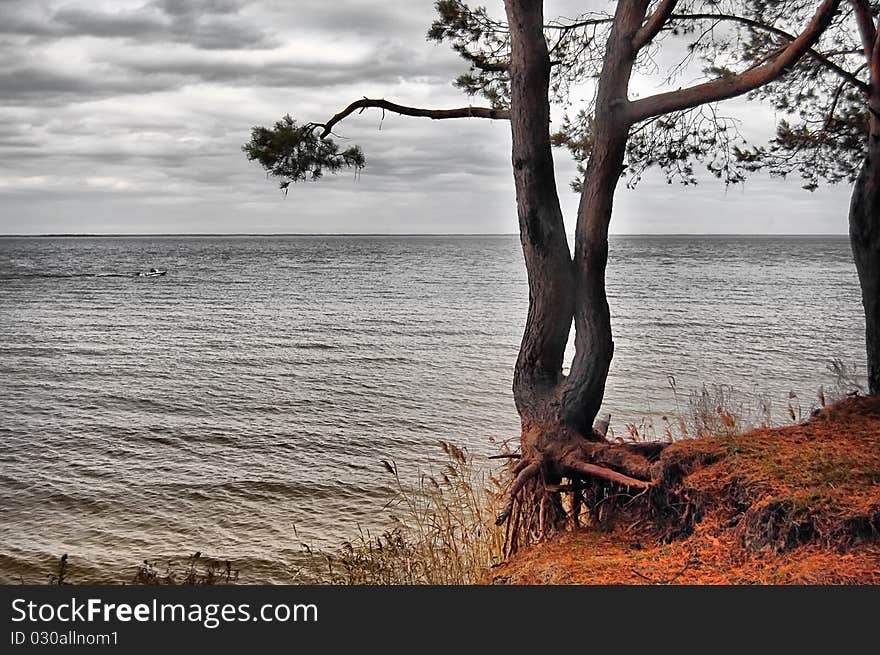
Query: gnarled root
{"x":525,"y":474}
{"x":534,"y":501}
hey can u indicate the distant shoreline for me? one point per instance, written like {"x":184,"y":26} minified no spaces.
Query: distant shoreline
{"x":401,"y":235}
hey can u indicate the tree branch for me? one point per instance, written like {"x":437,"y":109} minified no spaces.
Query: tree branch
{"x":730,"y":87}
{"x":822,"y":58}
{"x":654,"y":24}
{"x":565,"y":27}
{"x":491,"y":66}
{"x":829,"y":115}
{"x":482,"y":62}
{"x":434,"y":114}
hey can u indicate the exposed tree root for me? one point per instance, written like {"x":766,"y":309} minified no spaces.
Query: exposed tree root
{"x":526,"y":474}
{"x":607,"y":474}
{"x":556,"y":465}
{"x":794,"y":504}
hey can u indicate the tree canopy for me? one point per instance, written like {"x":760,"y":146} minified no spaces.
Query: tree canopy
{"x":823,"y":128}
{"x":713,"y":39}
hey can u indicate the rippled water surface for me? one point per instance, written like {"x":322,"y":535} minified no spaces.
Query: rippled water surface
{"x":241,"y":404}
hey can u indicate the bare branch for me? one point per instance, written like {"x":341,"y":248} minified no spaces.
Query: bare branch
{"x":822,"y":58}
{"x":654,"y":24}
{"x":434,"y":114}
{"x":829,"y":115}
{"x":730,"y":87}
{"x":564,"y":27}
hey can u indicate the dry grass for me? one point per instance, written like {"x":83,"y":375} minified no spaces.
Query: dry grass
{"x":712,"y":410}
{"x":443,"y":532}
{"x":195,"y":570}
{"x":60,"y":577}
{"x":721,"y":410}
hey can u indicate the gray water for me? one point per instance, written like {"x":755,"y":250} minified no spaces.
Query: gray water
{"x":241,"y":404}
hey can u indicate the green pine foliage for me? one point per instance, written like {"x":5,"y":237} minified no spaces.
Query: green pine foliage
{"x":296,"y":153}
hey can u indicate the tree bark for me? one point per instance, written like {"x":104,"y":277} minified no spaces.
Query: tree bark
{"x":542,"y":230}
{"x":864,"y":232}
{"x":864,"y":213}
{"x":557,"y":412}
{"x":594,"y":347}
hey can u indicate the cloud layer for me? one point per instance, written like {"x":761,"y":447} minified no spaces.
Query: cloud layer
{"x":129,"y":117}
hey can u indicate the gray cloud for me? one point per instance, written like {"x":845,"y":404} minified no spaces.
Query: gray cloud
{"x":196,"y":7}
{"x":43,"y":86}
{"x":383,"y":65}
{"x":208,"y":24}
{"x":129,"y":117}
{"x":360,"y":17}
{"x":76,"y":21}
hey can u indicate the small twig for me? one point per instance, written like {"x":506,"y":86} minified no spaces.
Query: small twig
{"x":652,"y":580}
{"x":641,"y":493}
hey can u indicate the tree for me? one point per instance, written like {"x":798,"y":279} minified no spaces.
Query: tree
{"x":518,"y":66}
{"x":831,"y":131}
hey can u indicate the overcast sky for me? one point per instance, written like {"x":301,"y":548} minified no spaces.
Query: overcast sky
{"x":129,"y":116}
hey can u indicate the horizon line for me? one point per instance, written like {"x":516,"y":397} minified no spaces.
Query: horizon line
{"x":406,"y":234}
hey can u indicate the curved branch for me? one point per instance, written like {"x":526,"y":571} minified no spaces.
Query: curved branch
{"x":435,"y":114}
{"x":820,"y":57}
{"x":730,"y":87}
{"x":654,"y":24}
{"x":588,"y":22}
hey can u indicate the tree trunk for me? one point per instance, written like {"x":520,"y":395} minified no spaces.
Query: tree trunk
{"x":561,"y":289}
{"x":542,"y":230}
{"x":557,"y":412}
{"x":593,"y":344}
{"x":864,"y":210}
{"x":864,"y":232}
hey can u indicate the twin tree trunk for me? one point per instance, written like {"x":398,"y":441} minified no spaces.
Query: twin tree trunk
{"x":557,"y":411}
{"x":563,"y":290}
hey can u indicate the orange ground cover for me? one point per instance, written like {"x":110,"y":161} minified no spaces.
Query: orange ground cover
{"x":790,"y":505}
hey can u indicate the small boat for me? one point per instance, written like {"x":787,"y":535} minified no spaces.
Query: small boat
{"x":153,"y":273}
